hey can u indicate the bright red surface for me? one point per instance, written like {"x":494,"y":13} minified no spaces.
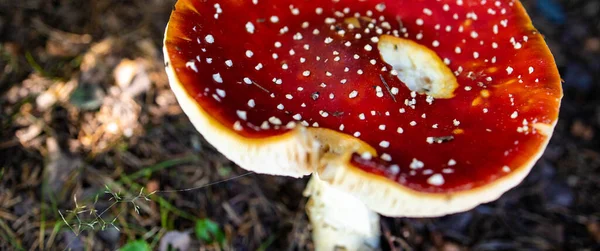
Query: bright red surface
{"x":489,"y":141}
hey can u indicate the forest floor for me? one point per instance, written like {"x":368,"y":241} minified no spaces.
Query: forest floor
{"x":93,"y":145}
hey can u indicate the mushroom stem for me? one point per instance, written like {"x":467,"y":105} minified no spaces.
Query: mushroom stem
{"x":339,"y":220}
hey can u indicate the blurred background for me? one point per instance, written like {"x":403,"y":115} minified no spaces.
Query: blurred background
{"x":89,"y":129}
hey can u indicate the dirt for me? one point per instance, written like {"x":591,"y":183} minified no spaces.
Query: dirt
{"x":88,"y":120}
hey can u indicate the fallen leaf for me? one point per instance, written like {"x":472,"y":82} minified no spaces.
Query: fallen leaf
{"x":175,"y":240}
{"x":139,"y":245}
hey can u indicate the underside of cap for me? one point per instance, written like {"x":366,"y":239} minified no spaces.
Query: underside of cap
{"x":336,"y":156}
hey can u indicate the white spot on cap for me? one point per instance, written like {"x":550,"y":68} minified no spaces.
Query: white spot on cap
{"x":237,"y":126}
{"x":416,"y":164}
{"x":436,"y":180}
{"x":275,"y":121}
{"x":221,"y":93}
{"x":243,"y":115}
{"x":394,"y":169}
{"x":298,"y":36}
{"x":192,"y":65}
{"x":386,"y":157}
{"x":384,"y":144}
{"x":447,"y":170}
{"x":295,"y":11}
{"x":429,"y":140}
{"x":217,"y":78}
{"x":209,"y":39}
{"x":509,"y":70}
{"x":250,"y":27}
{"x":290,"y":125}
{"x":427,"y":12}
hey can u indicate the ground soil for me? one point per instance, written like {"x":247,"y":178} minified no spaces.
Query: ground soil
{"x":87,"y":120}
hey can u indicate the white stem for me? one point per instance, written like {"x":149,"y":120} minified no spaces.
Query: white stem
{"x":339,"y":220}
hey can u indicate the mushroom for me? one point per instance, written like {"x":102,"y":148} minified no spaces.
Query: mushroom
{"x":402,"y":108}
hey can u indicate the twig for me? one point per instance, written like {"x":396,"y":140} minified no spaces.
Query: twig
{"x":387,"y":87}
{"x":262,"y":88}
{"x":202,"y":186}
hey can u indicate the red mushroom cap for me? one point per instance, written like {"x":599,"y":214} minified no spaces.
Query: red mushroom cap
{"x":419,"y":108}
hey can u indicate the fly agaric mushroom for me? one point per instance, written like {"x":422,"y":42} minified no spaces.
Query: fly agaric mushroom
{"x":403,"y":107}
